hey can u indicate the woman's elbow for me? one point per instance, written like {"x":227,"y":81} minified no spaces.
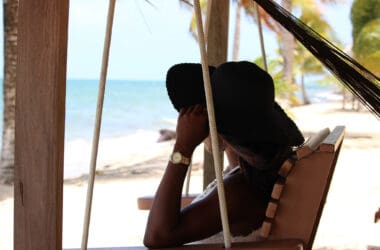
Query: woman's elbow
{"x":158,"y":240}
{"x":151,"y":241}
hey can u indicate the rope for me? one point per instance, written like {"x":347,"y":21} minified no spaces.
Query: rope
{"x":98,"y":119}
{"x":207,"y":24}
{"x":212,"y":125}
{"x":262,"y":45}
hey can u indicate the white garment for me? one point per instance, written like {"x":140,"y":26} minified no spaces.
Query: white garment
{"x":218,"y":238}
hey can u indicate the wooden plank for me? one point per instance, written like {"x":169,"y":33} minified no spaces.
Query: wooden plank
{"x":266,"y":229}
{"x":40,"y":118}
{"x":303,"y":198}
{"x":286,"y":167}
{"x":277,"y":190}
{"x":217,"y":48}
{"x":312,"y":143}
{"x":271,"y":209}
{"x":291,"y":244}
{"x":332,"y":142}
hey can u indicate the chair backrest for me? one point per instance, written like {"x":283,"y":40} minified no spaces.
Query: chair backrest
{"x":297,"y":202}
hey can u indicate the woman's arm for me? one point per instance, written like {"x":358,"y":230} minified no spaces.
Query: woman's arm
{"x":168,"y":225}
{"x":164,"y":217}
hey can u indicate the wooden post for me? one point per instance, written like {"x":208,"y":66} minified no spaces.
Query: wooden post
{"x":40,"y":118}
{"x":217,"y":46}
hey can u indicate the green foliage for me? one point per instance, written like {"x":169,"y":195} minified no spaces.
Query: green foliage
{"x":368,"y":40}
{"x":365,"y":18}
{"x":193,"y":21}
{"x":371,"y":62}
{"x":362,"y":12}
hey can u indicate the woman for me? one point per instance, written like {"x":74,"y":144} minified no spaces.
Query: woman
{"x":251,"y":125}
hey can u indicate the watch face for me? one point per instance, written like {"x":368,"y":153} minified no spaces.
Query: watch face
{"x":177,"y":157}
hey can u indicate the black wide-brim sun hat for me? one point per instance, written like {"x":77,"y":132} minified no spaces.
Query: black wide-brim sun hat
{"x":243,"y":95}
{"x":184,"y":83}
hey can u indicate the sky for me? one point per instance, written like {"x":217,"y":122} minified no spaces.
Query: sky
{"x":147,"y":40}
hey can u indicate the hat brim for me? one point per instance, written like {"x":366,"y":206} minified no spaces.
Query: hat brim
{"x":184,"y":84}
{"x":244,"y":127}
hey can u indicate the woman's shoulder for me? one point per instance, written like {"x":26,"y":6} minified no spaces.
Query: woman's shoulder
{"x":234,"y":172}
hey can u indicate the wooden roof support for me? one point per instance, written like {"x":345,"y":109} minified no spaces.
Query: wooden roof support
{"x":217,"y":47}
{"x":40,"y":118}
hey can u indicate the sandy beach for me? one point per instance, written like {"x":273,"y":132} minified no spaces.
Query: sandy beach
{"x":347,"y":221}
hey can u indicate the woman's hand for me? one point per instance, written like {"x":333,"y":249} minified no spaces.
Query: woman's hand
{"x":192,"y":129}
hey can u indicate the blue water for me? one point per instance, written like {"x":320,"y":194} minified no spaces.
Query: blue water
{"x":129,"y":106}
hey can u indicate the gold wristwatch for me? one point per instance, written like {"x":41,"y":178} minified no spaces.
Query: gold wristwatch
{"x":178,"y":158}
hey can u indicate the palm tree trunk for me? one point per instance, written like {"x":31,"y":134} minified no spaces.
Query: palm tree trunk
{"x":344,"y":98}
{"x":288,"y":49}
{"x":9,"y":91}
{"x":235,"y":52}
{"x":305,"y":97}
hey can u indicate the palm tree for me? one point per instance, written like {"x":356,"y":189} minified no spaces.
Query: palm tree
{"x":246,"y":4}
{"x":287,"y":44}
{"x":295,"y":58}
{"x":306,"y":63}
{"x":236,"y":40}
{"x":365,"y":19}
{"x":311,"y":14}
{"x":9,"y":90}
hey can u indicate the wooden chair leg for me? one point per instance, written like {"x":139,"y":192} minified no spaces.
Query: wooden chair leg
{"x":377,"y":215}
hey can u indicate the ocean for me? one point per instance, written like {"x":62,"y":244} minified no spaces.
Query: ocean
{"x":133,"y":113}
{"x":129,"y":106}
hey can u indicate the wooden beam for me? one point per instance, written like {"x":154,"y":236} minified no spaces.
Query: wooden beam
{"x":217,"y":47}
{"x":217,"y":35}
{"x":288,"y":244}
{"x":40,"y":118}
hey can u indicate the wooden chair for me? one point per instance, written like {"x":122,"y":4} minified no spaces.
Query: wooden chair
{"x":297,"y":204}
{"x":297,"y":201}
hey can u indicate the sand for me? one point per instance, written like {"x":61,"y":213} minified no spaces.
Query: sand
{"x":347,"y":221}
